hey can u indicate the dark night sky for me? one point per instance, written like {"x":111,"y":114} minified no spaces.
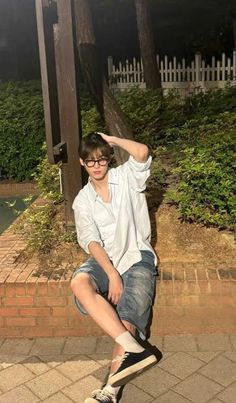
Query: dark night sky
{"x":181,"y":27}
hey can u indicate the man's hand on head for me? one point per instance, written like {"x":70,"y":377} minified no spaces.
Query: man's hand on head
{"x":107,"y":138}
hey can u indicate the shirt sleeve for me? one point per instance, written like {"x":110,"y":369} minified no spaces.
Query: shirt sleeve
{"x":86,"y":228}
{"x":138,"y":173}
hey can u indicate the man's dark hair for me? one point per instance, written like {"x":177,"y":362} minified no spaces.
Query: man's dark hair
{"x":92,"y":142}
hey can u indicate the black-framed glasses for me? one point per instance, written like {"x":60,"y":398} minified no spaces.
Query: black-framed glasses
{"x":102,"y":161}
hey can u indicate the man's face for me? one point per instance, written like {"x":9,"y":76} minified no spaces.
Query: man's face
{"x":96,"y":165}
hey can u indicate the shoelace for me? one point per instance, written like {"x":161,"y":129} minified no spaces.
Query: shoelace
{"x":103,"y":394}
{"x":124,"y":357}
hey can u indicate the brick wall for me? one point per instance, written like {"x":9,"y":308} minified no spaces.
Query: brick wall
{"x":43,"y":307}
{"x":17,"y":189}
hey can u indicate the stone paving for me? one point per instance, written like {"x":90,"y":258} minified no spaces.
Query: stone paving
{"x":194,"y":368}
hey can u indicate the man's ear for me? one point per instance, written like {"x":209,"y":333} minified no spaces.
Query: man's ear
{"x":81,"y":162}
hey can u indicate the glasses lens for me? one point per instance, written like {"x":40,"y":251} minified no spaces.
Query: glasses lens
{"x":90,"y":163}
{"x":101,"y":161}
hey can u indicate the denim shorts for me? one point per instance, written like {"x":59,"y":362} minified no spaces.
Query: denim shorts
{"x":139,"y":283}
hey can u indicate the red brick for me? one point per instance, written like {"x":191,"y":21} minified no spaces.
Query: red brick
{"x":10,"y":332}
{"x":18,"y":301}
{"x":20,"y":289}
{"x":20,"y":322}
{"x":45,"y":311}
{"x":8,"y":311}
{"x":2,"y":289}
{"x":53,"y":288}
{"x":51,"y":301}
{"x":31,"y":289}
{"x":205,"y":287}
{"x":10,"y":290}
{"x":65,"y":288}
{"x":42,"y":289}
{"x":67,"y":332}
{"x":52,"y":321}
{"x":1,"y":322}
{"x":36,"y":331}
{"x":60,"y":311}
{"x":216,"y":300}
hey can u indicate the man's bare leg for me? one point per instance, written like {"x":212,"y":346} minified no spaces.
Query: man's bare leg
{"x":94,"y":304}
{"x":118,"y":351}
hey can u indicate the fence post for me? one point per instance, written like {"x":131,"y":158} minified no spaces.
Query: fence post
{"x":110,"y":68}
{"x":198,"y":59}
{"x":234,"y":65}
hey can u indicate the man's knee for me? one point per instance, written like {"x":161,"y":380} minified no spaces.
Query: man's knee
{"x":80,"y":283}
{"x":129,"y":326}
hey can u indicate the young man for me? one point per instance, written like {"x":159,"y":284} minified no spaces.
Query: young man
{"x":116,"y":285}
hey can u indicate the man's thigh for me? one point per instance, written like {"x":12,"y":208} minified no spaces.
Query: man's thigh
{"x":97,"y":275}
{"x":139,"y":290}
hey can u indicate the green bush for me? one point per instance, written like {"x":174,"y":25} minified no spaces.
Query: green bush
{"x":39,"y":224}
{"x":21,"y":128}
{"x":205,"y":172}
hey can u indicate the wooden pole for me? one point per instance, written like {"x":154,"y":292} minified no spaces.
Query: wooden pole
{"x":60,"y":92}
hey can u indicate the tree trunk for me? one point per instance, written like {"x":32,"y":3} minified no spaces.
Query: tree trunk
{"x":92,"y":69}
{"x":146,"y":41}
{"x":234,"y":31}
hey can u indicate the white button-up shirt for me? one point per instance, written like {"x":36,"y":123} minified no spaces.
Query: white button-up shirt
{"x":122,"y":226}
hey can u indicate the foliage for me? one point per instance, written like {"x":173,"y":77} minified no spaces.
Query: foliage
{"x":40,"y":224}
{"x":205,"y":171}
{"x":21,"y":128}
{"x":48,"y":179}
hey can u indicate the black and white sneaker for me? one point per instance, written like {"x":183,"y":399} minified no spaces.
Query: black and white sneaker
{"x":101,"y":396}
{"x":131,"y":366}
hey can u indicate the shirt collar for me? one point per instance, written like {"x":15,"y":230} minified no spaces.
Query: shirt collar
{"x":111,"y":179}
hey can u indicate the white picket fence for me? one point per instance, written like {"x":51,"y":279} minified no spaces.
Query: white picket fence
{"x":186,"y":79}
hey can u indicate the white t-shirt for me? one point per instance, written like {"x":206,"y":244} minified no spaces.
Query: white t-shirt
{"x":122,"y":227}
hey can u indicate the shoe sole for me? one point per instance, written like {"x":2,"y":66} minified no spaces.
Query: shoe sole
{"x":129,"y":373}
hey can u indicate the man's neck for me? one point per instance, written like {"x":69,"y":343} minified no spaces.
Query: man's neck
{"x":100,"y":184}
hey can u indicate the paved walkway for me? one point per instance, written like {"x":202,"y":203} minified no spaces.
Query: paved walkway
{"x":194,"y":368}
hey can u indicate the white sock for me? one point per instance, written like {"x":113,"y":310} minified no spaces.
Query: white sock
{"x":128,"y":342}
{"x":112,"y":390}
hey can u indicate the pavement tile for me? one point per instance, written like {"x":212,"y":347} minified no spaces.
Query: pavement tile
{"x":213,"y":342}
{"x":221,"y":370}
{"x":101,"y":374}
{"x":180,"y":343}
{"x":16,"y":346}
{"x":231,"y":355}
{"x":156,"y":341}
{"x":101,"y":358}
{"x":58,"y":398}
{"x":48,"y":384}
{"x":104,"y":345}
{"x":166,"y":355}
{"x":81,"y":389}
{"x":197,"y":388}
{"x":233,"y":340}
{"x":19,"y":395}
{"x":148,"y":381}
{"x":78,"y":367}
{"x":80,"y":345}
{"x":35,"y":365}
{"x":2,"y":339}
{"x":48,"y":346}
{"x":181,"y":365}
{"x":55,"y":359}
{"x":228,"y":396}
{"x":7,"y":360}
{"x":205,"y":356}
{"x":215,"y":401}
{"x":170,"y":397}
{"x":132,"y":394}
{"x":14,"y":376}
